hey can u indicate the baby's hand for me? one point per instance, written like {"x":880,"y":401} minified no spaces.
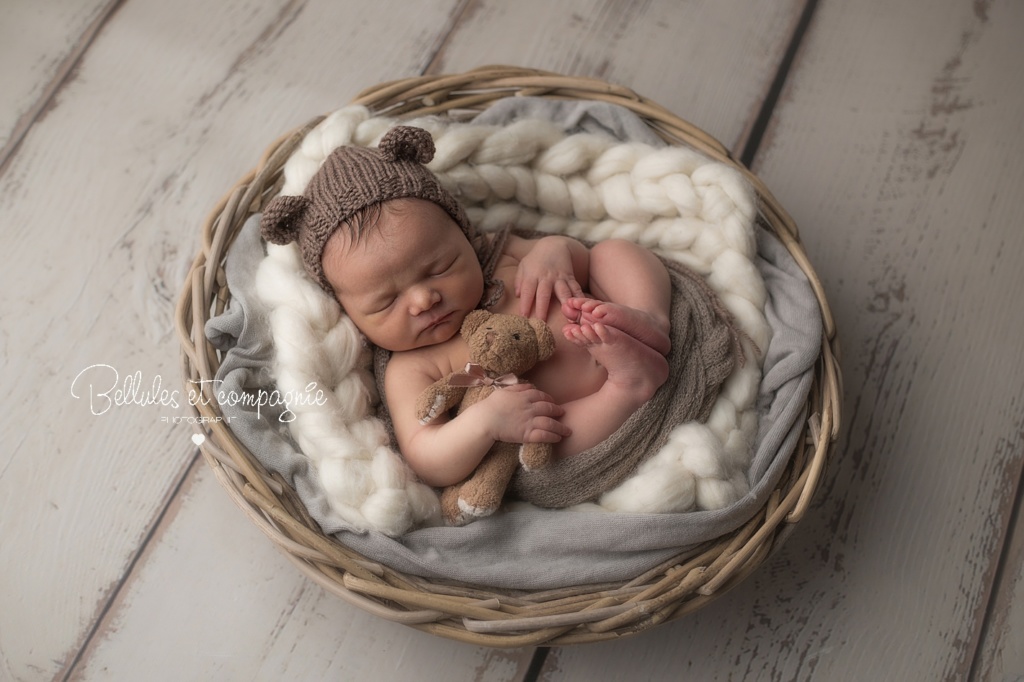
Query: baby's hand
{"x":545,"y":271}
{"x":522,"y":414}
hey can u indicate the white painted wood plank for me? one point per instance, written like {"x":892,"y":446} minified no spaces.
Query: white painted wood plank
{"x":101,"y":208}
{"x":710,"y":62}
{"x":205,"y":102}
{"x":809,"y":636}
{"x":119,"y":643}
{"x":212,"y":599}
{"x":1002,"y":648}
{"x":897,"y":146}
{"x":38,"y":40}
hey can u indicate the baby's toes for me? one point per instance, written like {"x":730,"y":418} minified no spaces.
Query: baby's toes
{"x":594,"y":333}
{"x":574,"y":334}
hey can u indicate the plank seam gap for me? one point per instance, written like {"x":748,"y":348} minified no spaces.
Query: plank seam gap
{"x":764,"y":114}
{"x":27,"y":120}
{"x":540,"y":655}
{"x":997,"y":579}
{"x":442,"y":40}
{"x":126,"y":576}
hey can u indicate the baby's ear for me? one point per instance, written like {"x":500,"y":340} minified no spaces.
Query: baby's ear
{"x":473,"y":321}
{"x":545,"y":339}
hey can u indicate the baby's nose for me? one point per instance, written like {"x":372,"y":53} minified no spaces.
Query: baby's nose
{"x":423,"y":299}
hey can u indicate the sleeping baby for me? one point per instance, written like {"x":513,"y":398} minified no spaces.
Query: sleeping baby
{"x":379,"y":233}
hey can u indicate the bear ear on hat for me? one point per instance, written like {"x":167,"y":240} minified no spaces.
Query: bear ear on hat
{"x":407,"y":143}
{"x":282,"y":219}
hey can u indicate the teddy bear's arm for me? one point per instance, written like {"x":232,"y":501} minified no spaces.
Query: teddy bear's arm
{"x":437,"y":399}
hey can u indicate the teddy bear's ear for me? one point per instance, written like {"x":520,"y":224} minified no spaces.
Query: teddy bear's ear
{"x":473,"y":321}
{"x":545,"y":339}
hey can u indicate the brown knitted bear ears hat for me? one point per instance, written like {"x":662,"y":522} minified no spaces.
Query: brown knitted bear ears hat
{"x":350,"y":180}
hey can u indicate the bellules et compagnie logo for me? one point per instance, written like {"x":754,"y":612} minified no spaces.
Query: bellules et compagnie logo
{"x":103,"y":387}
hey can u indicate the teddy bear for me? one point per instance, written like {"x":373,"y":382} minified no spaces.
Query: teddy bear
{"x":501,"y":348}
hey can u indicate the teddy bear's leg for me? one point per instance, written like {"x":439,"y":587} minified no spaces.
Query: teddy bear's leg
{"x":450,"y":506}
{"x":534,"y":455}
{"x":481,"y":495}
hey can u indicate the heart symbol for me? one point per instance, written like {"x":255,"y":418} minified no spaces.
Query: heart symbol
{"x":198,"y":438}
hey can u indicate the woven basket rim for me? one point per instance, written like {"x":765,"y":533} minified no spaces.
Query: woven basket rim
{"x":476,"y":614}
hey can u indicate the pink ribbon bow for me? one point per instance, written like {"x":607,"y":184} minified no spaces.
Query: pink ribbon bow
{"x":474,"y":375}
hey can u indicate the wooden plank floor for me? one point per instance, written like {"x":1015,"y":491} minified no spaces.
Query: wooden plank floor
{"x":890,"y":130}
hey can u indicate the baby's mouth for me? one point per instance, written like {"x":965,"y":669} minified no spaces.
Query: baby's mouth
{"x":440,"y":320}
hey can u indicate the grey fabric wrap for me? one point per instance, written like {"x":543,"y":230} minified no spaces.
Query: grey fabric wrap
{"x":527,"y":547}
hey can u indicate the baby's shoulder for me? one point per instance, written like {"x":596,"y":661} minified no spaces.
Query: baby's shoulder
{"x":429,"y":363}
{"x":516,"y":247}
{"x":513,"y":251}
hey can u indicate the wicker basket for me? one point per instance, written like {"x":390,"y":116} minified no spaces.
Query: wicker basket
{"x":476,"y":614}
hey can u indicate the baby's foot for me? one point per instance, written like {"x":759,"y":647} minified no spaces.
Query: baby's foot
{"x":631,"y":364}
{"x":639,"y":324}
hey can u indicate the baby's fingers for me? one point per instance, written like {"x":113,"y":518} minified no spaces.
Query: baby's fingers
{"x":526,"y":289}
{"x":566,"y":289}
{"x":546,"y":430}
{"x":543,"y":299}
{"x":539,"y":401}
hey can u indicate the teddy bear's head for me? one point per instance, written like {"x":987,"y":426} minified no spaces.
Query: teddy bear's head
{"x":506,"y":343}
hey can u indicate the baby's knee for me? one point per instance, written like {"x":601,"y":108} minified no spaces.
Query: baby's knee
{"x":615,"y":249}
{"x":613,"y":260}
{"x":621,"y":254}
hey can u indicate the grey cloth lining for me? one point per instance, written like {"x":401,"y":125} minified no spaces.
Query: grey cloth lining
{"x":524,"y":547}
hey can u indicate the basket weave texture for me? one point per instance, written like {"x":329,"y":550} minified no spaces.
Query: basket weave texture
{"x":475,"y":614}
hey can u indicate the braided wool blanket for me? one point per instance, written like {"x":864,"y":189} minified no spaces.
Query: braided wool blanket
{"x":532,"y":176}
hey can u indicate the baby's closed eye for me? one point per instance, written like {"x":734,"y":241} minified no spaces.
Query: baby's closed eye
{"x":382,"y":305}
{"x":444,"y":268}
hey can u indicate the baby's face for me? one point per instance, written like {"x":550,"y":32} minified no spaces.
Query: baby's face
{"x":410,"y":280}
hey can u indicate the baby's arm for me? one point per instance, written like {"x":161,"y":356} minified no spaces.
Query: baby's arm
{"x":446,"y":451}
{"x":553,"y":265}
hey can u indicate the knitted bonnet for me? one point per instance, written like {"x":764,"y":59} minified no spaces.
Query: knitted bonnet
{"x":350,"y":180}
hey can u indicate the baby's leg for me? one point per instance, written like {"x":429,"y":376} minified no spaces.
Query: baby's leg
{"x":635,"y":372}
{"x":632,"y":293}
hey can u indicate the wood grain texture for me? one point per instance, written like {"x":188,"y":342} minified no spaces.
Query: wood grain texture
{"x":40,"y":43}
{"x":137,"y":148}
{"x":1001,"y":653}
{"x":897,"y":147}
{"x":255,"y":617}
{"x":132,"y":617}
{"x":101,"y":208}
{"x":710,"y":62}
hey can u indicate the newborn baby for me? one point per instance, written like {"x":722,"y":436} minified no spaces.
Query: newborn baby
{"x":379,"y":233}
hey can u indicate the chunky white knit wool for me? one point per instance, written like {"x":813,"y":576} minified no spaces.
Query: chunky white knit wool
{"x":531,"y":175}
